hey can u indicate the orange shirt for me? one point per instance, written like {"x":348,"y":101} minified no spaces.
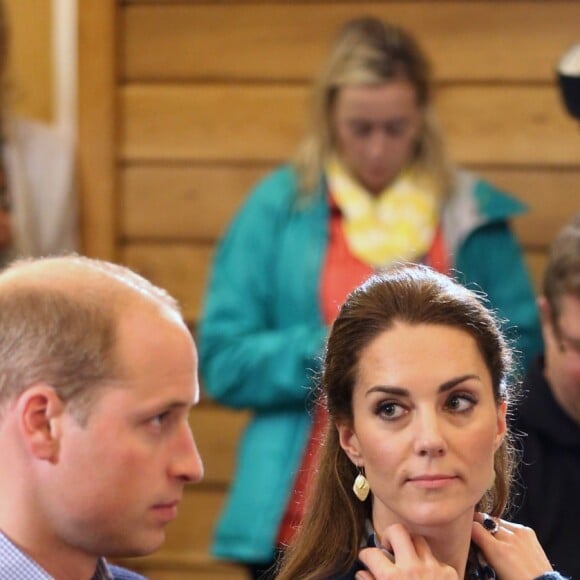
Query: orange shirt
{"x":342,"y":273}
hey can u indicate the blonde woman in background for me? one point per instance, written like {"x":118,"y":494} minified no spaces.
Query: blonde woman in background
{"x":370,"y":184}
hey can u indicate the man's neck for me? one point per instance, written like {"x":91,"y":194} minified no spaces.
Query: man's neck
{"x":59,"y":561}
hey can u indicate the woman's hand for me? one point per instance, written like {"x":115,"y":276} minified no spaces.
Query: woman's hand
{"x":513,"y":551}
{"x":413,"y":560}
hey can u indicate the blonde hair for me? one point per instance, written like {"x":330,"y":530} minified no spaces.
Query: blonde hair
{"x":370,"y":52}
{"x":65,"y":335}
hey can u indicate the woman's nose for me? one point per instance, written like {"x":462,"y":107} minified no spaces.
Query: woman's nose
{"x":429,"y":438}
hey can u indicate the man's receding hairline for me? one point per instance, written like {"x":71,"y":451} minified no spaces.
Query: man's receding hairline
{"x":73,"y":276}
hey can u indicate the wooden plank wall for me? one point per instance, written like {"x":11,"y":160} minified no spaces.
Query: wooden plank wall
{"x":184,"y":104}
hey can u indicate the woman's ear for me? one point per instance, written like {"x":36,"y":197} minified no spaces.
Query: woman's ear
{"x":501,"y":424}
{"x":349,"y":442}
{"x":40,"y":411}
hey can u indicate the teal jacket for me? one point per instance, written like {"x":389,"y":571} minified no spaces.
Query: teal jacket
{"x":261,"y":332}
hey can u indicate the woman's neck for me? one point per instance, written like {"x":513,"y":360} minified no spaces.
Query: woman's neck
{"x":449,"y":543}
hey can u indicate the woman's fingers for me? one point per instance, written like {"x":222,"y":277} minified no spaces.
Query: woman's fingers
{"x":413,"y":559}
{"x":513,"y":551}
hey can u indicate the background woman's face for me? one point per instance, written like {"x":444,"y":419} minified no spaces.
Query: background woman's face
{"x":375,"y":130}
{"x":426,"y":425}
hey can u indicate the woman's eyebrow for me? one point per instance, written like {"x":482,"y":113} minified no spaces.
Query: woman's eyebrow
{"x":402,"y":392}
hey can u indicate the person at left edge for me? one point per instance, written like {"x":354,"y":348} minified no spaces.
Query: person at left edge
{"x":97,"y":378}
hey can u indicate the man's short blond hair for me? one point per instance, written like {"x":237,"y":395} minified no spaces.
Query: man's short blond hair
{"x":58,"y":324}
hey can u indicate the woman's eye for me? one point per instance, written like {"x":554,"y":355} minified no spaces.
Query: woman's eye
{"x":361,"y":129}
{"x":391,"y":410}
{"x":461,"y":403}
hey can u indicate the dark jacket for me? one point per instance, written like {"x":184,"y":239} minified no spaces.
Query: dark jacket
{"x":549,"y":473}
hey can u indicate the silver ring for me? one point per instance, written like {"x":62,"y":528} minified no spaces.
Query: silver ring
{"x":490,"y":525}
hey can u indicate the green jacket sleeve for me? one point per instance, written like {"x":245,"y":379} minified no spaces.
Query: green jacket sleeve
{"x":492,"y":260}
{"x":248,"y":357}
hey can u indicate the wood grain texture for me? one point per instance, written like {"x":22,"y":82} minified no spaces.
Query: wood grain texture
{"x":180,"y":268}
{"x":552,"y":195}
{"x":195,"y":203}
{"x":183,"y":269}
{"x":468,"y":41}
{"x":245,"y":123}
{"x":192,"y":530}
{"x":217,"y":431}
{"x":97,"y":127}
{"x":30,"y":62}
{"x":175,"y":565}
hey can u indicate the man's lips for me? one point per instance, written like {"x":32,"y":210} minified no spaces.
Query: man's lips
{"x":167,"y":510}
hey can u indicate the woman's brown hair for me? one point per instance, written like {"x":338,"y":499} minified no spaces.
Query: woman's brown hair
{"x":334,"y":527}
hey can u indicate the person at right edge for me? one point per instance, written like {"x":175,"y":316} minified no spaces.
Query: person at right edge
{"x":549,"y":416}
{"x":370,"y":185}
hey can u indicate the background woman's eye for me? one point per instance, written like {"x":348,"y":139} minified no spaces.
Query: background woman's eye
{"x":361,"y":129}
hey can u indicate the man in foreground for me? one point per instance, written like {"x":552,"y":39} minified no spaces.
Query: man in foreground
{"x":98,"y":373}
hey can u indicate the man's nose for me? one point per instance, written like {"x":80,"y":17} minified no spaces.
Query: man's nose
{"x":187,"y":464}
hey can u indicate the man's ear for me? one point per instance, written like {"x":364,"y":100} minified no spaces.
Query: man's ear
{"x":40,"y":412}
{"x":546,"y":318}
{"x":349,"y":443}
{"x":544,"y":308}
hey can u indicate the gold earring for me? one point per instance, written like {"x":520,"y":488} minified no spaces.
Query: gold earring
{"x":361,"y":486}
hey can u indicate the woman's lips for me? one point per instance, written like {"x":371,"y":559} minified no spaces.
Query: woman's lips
{"x":436,"y":481}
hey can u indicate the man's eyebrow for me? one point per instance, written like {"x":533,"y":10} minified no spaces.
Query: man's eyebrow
{"x":170,"y":405}
{"x":402,"y":392}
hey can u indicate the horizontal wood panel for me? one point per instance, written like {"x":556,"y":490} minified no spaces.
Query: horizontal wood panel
{"x":536,"y":262}
{"x":182,"y":269}
{"x":217,"y":432}
{"x":180,"y":202}
{"x":553,"y":197}
{"x":198,"y":512}
{"x":288,"y":41}
{"x":168,"y":565}
{"x":211,"y":122}
{"x":485,"y":125}
{"x":188,"y":203}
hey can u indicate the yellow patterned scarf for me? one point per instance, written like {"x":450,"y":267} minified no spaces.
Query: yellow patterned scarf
{"x":398,"y":224}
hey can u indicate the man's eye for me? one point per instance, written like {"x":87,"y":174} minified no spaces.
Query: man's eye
{"x":158,"y":420}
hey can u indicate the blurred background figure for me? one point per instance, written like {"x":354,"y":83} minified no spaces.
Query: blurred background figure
{"x":371,"y":184}
{"x":569,"y":79}
{"x":550,"y":413}
{"x":37,"y":199}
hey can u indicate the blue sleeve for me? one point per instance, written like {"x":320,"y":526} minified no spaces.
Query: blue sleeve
{"x":492,"y":260}
{"x":247,"y":360}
